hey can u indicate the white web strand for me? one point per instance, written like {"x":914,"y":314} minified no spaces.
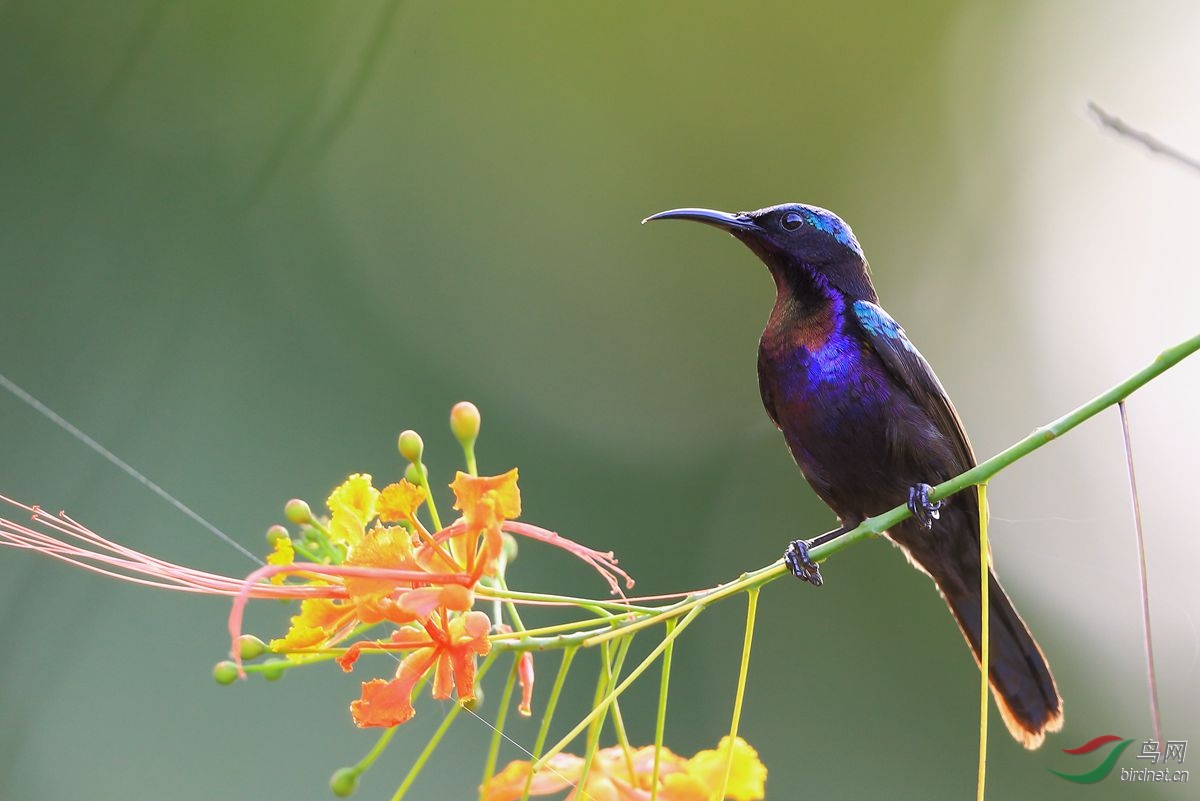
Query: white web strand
{"x":125,"y":467}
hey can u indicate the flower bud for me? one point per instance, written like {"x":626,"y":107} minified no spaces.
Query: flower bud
{"x":416,"y":475}
{"x":251,"y":647}
{"x":411,"y":446}
{"x":465,"y":422}
{"x":225,"y":672}
{"x":273,"y":669}
{"x":275,"y":533}
{"x":509,"y":546}
{"x":343,"y":782}
{"x":297,"y":511}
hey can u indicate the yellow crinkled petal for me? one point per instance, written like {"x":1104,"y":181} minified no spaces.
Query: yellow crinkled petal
{"x":400,"y":501}
{"x":319,"y":618}
{"x":352,"y":505}
{"x":748,"y":777}
{"x":385,"y":547}
{"x":282,"y":554}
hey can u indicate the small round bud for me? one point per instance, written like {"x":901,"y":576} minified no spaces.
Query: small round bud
{"x":251,"y":647}
{"x":276,"y":533}
{"x":509,"y":546}
{"x":416,"y":475}
{"x":297,"y":511}
{"x":411,"y":446}
{"x":464,"y":422}
{"x":343,"y":782}
{"x":273,"y":669}
{"x":225,"y":672}
{"x":476,"y":703}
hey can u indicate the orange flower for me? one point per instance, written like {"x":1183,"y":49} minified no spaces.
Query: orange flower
{"x":613,"y":778}
{"x":449,"y":649}
{"x":486,"y":503}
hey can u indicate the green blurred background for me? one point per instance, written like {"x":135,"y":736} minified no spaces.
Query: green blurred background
{"x":244,"y":244}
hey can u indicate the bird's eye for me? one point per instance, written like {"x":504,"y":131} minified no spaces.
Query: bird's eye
{"x":791,"y":221}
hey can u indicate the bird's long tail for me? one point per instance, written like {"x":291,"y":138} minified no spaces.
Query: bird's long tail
{"x":1020,"y":678}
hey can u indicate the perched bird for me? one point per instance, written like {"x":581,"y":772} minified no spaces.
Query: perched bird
{"x":870,"y":427}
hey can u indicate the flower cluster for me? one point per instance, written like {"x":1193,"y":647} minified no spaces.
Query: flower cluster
{"x":421,"y":582}
{"x":373,"y":561}
{"x":619,"y":775}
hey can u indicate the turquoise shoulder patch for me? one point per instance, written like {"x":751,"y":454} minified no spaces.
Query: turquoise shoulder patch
{"x":876,"y":322}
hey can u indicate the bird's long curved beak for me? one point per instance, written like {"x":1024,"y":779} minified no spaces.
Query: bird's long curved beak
{"x":719,"y":219}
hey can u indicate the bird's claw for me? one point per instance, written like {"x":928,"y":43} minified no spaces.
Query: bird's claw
{"x":924,"y":511}
{"x":801,"y":564}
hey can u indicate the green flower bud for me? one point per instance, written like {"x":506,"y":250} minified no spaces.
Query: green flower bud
{"x":416,"y":475}
{"x":273,"y":669}
{"x":465,"y":422}
{"x":225,"y":672}
{"x":275,"y":533}
{"x":297,"y":511}
{"x":509,"y":544}
{"x":344,"y":782}
{"x":251,"y":647}
{"x":411,"y":446}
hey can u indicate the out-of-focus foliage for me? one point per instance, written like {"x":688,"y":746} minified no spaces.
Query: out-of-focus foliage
{"x":243,"y":244}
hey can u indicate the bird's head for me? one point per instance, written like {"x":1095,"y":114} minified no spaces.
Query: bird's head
{"x":795,"y":241}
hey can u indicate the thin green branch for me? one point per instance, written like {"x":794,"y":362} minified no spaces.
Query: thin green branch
{"x":660,"y":723}
{"x":743,"y":671}
{"x":620,"y":688}
{"x":984,"y":640}
{"x":874,"y":526}
{"x":544,"y":729}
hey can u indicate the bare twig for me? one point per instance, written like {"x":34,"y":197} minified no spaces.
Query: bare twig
{"x":1143,"y":581}
{"x":1119,"y":127}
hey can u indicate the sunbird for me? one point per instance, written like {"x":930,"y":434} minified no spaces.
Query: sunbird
{"x":871,"y":427}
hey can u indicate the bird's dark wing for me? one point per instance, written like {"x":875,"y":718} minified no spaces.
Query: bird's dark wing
{"x":909,"y":368}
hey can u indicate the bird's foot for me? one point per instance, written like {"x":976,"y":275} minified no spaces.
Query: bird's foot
{"x":801,"y":564}
{"x":924,"y":511}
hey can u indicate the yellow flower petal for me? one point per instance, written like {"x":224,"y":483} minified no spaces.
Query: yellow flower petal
{"x":352,"y":505}
{"x":400,"y":501}
{"x":748,"y":777}
{"x":282,"y":554}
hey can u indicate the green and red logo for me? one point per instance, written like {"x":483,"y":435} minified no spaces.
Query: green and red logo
{"x":1104,"y":768}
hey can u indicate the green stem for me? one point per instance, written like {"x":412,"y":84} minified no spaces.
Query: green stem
{"x":984,"y":636}
{"x":660,"y":723}
{"x":874,"y":526}
{"x":603,"y":685}
{"x":375,"y":751}
{"x":489,"y":767}
{"x":430,"y":503}
{"x":751,"y":612}
{"x":618,"y":719}
{"x":544,"y":729}
{"x":432,"y":745}
{"x":502,"y":587}
{"x":610,"y":606}
{"x":637,"y":671}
